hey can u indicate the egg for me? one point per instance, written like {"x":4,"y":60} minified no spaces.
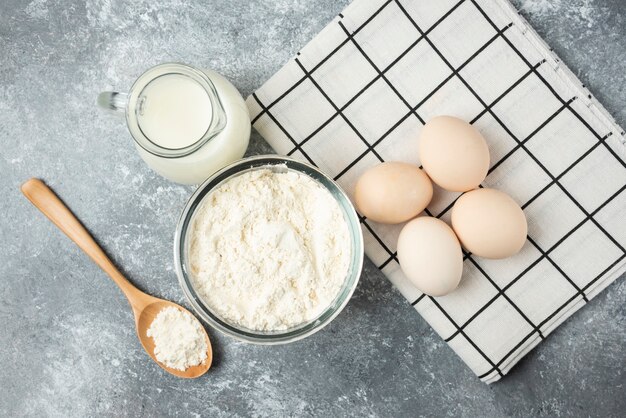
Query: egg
{"x":430,"y":255}
{"x":489,"y":223}
{"x":393,"y":192}
{"x":453,"y":153}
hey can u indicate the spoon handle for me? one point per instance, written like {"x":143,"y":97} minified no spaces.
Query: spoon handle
{"x":50,"y":205}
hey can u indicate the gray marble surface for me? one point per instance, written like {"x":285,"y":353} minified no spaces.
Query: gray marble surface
{"x":67,"y":343}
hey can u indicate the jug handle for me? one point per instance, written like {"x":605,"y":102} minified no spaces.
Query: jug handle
{"x":113,"y":101}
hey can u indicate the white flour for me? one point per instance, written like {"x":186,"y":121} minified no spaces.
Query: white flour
{"x":269,"y":250}
{"x":179,"y":341}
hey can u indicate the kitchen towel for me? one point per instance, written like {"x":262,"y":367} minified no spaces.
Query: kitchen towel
{"x":361,"y":90}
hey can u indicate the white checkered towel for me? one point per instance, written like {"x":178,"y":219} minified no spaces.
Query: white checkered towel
{"x":359,"y":93}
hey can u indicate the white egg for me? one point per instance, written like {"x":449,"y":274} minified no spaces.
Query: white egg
{"x":430,"y":255}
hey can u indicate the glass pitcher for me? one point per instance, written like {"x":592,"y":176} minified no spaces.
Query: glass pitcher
{"x":186,"y":123}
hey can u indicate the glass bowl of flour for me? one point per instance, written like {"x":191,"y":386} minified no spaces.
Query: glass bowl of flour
{"x":268,"y":250}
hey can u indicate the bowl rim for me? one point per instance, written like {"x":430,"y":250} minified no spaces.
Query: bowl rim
{"x":259,"y":337}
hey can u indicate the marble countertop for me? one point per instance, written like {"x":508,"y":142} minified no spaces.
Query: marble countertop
{"x":67,"y":342}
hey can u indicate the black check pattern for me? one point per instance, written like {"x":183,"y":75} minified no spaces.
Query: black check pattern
{"x":491,"y":367}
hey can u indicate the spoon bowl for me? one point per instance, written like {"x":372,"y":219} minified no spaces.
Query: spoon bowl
{"x":144,"y":319}
{"x":145,"y":307}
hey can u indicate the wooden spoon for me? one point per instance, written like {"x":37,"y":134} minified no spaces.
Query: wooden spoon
{"x":145,"y":307}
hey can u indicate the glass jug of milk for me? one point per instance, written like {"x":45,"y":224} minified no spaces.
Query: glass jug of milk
{"x":187,"y":123}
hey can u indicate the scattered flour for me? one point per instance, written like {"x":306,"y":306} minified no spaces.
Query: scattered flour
{"x":179,"y":341}
{"x":269,"y":250}
{"x":540,"y":7}
{"x":584,"y":11}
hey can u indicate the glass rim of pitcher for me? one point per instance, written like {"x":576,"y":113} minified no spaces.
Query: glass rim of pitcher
{"x":218,"y":115}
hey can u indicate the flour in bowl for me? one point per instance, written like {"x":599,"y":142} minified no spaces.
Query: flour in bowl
{"x":269,"y":250}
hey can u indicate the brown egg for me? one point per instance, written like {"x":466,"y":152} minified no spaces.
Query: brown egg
{"x":489,"y":223}
{"x":430,"y":255}
{"x":453,"y":153}
{"x":393,"y":192}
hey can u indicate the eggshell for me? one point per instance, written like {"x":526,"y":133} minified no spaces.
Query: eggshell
{"x":393,"y":192}
{"x":430,"y":255}
{"x":489,"y":223}
{"x":453,"y":153}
